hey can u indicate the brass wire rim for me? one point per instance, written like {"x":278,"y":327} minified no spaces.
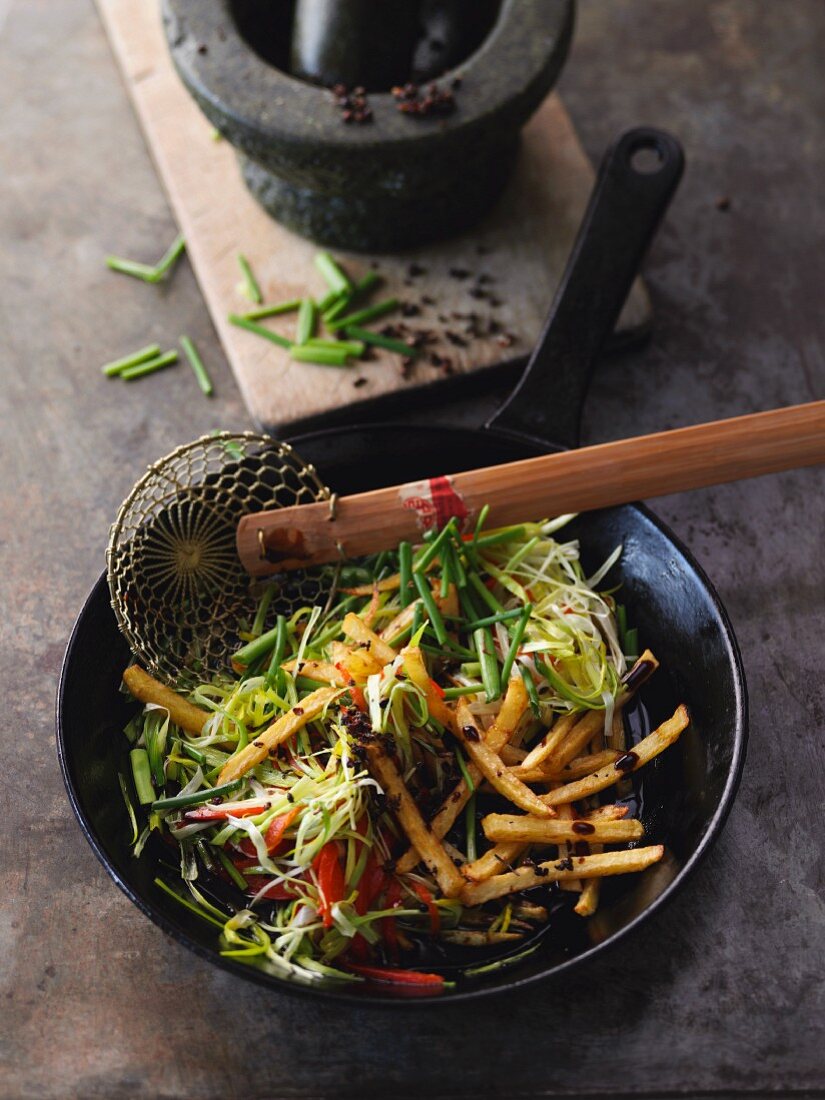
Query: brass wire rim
{"x":176,"y":585}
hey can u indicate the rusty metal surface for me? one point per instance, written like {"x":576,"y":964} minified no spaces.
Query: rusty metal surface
{"x":723,"y":993}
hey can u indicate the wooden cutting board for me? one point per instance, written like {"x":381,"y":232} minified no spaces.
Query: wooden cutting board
{"x":480,"y":298}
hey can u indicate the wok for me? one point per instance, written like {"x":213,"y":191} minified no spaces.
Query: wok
{"x":683,"y":799}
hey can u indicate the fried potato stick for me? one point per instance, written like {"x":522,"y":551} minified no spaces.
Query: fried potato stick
{"x":146,"y":689}
{"x":607,"y":863}
{"x":497,"y":859}
{"x":645,"y":751}
{"x":512,"y":709}
{"x":357,"y":629}
{"x":582,"y":765}
{"x":428,"y":845}
{"x":281,"y":730}
{"x":492,"y":768}
{"x":537,"y":830}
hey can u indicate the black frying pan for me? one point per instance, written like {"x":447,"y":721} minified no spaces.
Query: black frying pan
{"x":684,"y":798}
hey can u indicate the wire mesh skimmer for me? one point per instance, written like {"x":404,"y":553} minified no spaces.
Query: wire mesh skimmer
{"x":177,"y":586}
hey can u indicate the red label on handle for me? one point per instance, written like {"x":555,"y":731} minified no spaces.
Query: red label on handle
{"x":434,"y":502}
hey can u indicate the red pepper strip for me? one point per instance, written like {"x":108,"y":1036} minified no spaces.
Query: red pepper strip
{"x":331,"y":883}
{"x":389,"y":929}
{"x":221,"y":813}
{"x":427,"y":898}
{"x":371,"y":884}
{"x":437,"y":688}
{"x":278,"y":891}
{"x":397,"y":977}
{"x":272,"y":837}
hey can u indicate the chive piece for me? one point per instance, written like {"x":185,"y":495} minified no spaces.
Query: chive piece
{"x":530,"y":686}
{"x":351,"y":347}
{"x":255,"y":649}
{"x":371,"y":313}
{"x":470,"y":828}
{"x":464,"y":689}
{"x":152,"y":351}
{"x":142,"y":776}
{"x":631,"y":641}
{"x":326,"y":357}
{"x":433,"y":613}
{"x":499,"y":617}
{"x":146,"y":272}
{"x":232,"y":870}
{"x":131,"y":267}
{"x":515,"y":642}
{"x":379,"y":341}
{"x":482,"y":519}
{"x":329,"y":299}
{"x":338,"y":308}
{"x":458,"y":570}
{"x":263,"y":607}
{"x":196,"y":754}
{"x":150,"y":366}
{"x":433,"y":549}
{"x":462,"y":767}
{"x":259,"y":330}
{"x":170,"y":257}
{"x":273,"y":672}
{"x":250,"y":283}
{"x":418,"y":615}
{"x":196,"y":797}
{"x":305,"y":327}
{"x":447,"y":571}
{"x":506,"y":535}
{"x":621,"y":624}
{"x":274,"y":310}
{"x":196,"y":363}
{"x":490,"y":674}
{"x":485,"y":593}
{"x":333,"y":274}
{"x":405,"y":572}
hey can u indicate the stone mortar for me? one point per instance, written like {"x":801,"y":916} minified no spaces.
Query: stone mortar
{"x":388,"y":184}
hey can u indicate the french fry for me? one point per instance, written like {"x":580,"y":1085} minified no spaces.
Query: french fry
{"x":512,"y":756}
{"x":537,"y":830}
{"x":388,"y":584}
{"x":281,"y":730}
{"x":491,"y":767}
{"x":524,"y":878}
{"x":589,"y":898}
{"x":428,"y":845}
{"x":512,"y":708}
{"x":582,"y":765}
{"x":401,"y":621}
{"x":551,"y":740}
{"x":321,"y":671}
{"x":496,"y":859}
{"x":645,"y":751}
{"x":357,"y":629}
{"x":447,"y":605}
{"x":146,"y":689}
{"x":416,"y":671}
{"x":573,"y":885}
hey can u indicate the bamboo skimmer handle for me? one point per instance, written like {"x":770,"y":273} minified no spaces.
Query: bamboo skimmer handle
{"x":551,"y":485}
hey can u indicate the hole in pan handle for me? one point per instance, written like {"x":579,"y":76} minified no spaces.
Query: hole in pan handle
{"x":631,"y":193}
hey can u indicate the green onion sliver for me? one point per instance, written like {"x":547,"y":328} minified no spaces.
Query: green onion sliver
{"x":351,"y":347}
{"x":490,"y":675}
{"x":405,"y":573}
{"x":152,"y":351}
{"x":335,"y":277}
{"x":362,"y":316}
{"x":142,"y":776}
{"x":470,"y":828}
{"x":232,"y":870}
{"x":250,"y":283}
{"x":259,"y":330}
{"x":197,"y":797}
{"x":305,"y":327}
{"x":499,"y":617}
{"x":355,"y":332}
{"x":274,"y":310}
{"x":530,"y":686}
{"x":196,"y":363}
{"x":325,"y":357}
{"x":278,"y":651}
{"x":515,"y":642}
{"x":149,"y":367}
{"x":464,"y":689}
{"x":434,"y":615}
{"x":255,"y":649}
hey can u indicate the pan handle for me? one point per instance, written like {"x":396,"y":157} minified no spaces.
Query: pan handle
{"x":636,"y":181}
